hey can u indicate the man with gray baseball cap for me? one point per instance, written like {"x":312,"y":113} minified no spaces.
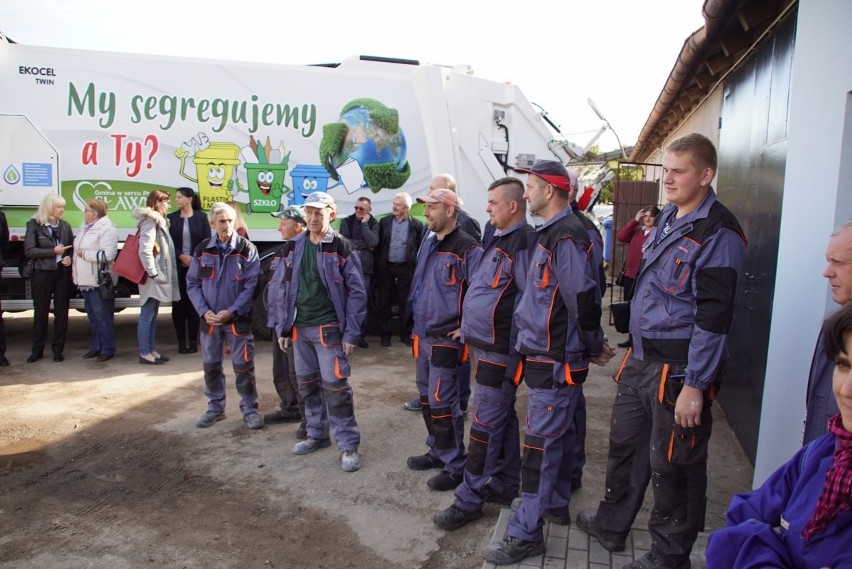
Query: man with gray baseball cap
{"x":319,"y":309}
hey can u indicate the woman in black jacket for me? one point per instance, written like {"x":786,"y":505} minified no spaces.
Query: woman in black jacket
{"x":48,"y":240}
{"x":188,"y":227}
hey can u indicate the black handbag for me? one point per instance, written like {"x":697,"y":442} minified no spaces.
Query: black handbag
{"x":621,"y":316}
{"x":619,"y":280}
{"x":26,"y":267}
{"x":106,"y":288}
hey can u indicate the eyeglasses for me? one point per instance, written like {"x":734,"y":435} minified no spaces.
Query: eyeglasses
{"x":359,"y":208}
{"x":87,"y":210}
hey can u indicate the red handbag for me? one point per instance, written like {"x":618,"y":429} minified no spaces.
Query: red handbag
{"x":128,"y":264}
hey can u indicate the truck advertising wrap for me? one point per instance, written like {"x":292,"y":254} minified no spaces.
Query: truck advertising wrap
{"x":114,"y":127}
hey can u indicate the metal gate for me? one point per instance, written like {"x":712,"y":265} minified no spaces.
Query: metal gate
{"x":635,"y":186}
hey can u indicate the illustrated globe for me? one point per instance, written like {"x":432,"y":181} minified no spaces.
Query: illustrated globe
{"x":369,"y":143}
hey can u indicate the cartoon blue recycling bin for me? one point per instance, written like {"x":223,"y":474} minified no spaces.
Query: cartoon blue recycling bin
{"x":306,"y":179}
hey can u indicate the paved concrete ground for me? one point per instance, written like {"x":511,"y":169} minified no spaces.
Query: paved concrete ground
{"x":729,"y":472}
{"x":571,"y":548}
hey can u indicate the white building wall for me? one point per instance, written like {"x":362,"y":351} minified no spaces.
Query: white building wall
{"x":817,"y":198}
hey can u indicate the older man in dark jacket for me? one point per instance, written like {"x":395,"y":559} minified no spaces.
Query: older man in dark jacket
{"x":399,"y":239}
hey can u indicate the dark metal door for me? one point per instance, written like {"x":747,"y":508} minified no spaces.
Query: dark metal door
{"x":752,"y":159}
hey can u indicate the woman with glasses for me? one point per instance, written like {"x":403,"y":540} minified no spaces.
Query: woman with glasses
{"x":157,"y":253}
{"x":188,"y":227}
{"x":96,"y":242}
{"x":48,"y":240}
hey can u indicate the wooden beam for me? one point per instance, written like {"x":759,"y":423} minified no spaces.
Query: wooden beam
{"x":757,"y":13}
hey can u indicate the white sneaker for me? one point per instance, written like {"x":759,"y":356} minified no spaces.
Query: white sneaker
{"x":350,"y":461}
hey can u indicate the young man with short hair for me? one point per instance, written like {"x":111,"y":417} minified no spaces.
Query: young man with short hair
{"x":681,"y":314}
{"x":492,"y":472}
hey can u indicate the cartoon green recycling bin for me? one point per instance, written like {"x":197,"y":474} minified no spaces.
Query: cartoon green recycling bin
{"x":266,"y":168}
{"x":265,"y":186}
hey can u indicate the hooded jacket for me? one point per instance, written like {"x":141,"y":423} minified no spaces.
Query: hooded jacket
{"x":157,"y":254}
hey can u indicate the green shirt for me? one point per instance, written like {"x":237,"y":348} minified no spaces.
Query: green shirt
{"x":313,"y":306}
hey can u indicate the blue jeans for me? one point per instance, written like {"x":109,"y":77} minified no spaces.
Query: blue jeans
{"x":146,"y":330}
{"x":101,"y":315}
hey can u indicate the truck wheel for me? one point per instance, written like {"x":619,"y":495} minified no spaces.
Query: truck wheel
{"x":260,"y":308}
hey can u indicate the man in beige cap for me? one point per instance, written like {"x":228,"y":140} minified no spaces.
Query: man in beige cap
{"x":440,"y":282}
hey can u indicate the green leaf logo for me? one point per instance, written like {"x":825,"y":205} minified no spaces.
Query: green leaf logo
{"x":11,"y":175}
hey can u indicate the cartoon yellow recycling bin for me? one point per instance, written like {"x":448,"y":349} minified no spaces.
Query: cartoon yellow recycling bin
{"x":215,"y":166}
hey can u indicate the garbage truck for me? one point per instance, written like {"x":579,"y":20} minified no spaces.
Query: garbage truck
{"x":112,"y":126}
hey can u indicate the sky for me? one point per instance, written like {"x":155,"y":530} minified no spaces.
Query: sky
{"x":618,"y":53}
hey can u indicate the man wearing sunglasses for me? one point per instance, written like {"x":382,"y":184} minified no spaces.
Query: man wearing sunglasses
{"x":362,"y":230}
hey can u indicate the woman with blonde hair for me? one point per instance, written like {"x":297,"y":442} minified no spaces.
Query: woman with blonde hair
{"x":157,"y":254}
{"x":96,"y":242}
{"x":48,"y":240}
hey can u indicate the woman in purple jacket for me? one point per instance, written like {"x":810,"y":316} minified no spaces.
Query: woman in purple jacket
{"x":802,"y":515}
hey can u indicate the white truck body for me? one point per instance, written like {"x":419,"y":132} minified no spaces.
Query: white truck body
{"x":115,"y":126}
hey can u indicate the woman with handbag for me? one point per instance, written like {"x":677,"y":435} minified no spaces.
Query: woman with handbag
{"x":96,"y":243}
{"x":48,"y":241}
{"x":635,"y":234}
{"x":157,"y":255}
{"x":188,"y":227}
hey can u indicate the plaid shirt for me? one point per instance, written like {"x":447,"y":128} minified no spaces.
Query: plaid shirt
{"x":836,"y":496}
